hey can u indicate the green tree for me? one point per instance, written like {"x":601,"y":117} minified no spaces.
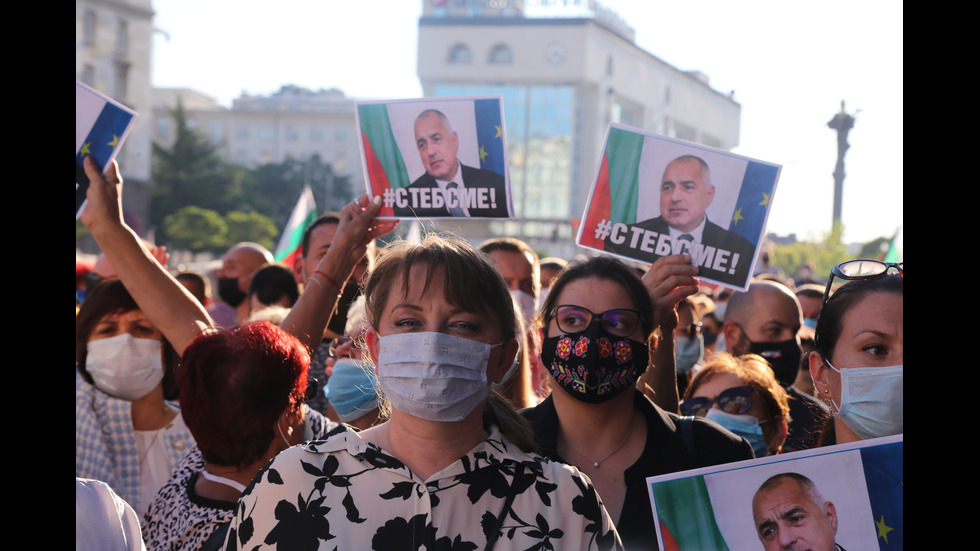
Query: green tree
{"x":823,"y":254}
{"x":273,"y":188}
{"x":190,"y":172}
{"x":250,"y":226}
{"x":196,"y":229}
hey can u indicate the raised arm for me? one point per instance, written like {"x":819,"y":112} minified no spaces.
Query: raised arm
{"x":311,"y":313}
{"x":668,"y":281}
{"x":175,"y":312}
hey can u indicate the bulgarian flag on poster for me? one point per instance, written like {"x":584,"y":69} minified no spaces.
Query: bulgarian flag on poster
{"x":292,"y":236}
{"x":616,"y":188}
{"x":687,"y":516}
{"x":385,"y":166}
{"x":101,"y":126}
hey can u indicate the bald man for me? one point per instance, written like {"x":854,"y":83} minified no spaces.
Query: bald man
{"x":766,"y":320}
{"x":791,"y":515}
{"x":237,"y":268}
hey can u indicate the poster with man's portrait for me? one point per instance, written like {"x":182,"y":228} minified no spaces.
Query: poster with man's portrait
{"x":655,"y":196}
{"x":839,"y":498}
{"x":436,"y":157}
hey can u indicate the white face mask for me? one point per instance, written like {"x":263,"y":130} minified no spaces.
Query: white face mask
{"x":434,"y":376}
{"x":527,"y":304}
{"x":872,"y":400}
{"x":124,"y":366}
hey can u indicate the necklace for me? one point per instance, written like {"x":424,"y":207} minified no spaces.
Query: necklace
{"x":612,"y":453}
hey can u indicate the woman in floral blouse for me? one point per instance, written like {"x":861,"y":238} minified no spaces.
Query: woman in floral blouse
{"x":452,"y":468}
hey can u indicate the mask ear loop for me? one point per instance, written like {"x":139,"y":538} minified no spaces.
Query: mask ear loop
{"x":827,"y":392}
{"x":284,"y":439}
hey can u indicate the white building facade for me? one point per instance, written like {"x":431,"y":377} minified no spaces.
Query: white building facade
{"x":565,"y":69}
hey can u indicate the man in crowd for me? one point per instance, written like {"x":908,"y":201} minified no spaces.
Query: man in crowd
{"x":237,"y":268}
{"x":766,"y":320}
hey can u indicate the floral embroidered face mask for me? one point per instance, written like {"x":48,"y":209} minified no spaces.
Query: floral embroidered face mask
{"x":594,"y":365}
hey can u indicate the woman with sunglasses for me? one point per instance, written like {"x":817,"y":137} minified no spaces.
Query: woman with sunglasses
{"x":596,"y":323}
{"x":742,"y":395}
{"x":242,"y":390}
{"x":859,"y":350}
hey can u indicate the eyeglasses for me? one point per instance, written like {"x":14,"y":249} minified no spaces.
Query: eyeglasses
{"x":736,"y":400}
{"x":621,"y":322}
{"x":860,"y":269}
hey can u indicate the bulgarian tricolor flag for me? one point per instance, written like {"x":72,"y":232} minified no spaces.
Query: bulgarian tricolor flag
{"x":618,"y":184}
{"x":292,"y":236}
{"x":385,"y":166}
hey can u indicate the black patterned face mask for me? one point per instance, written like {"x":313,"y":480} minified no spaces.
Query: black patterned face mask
{"x":594,"y":366}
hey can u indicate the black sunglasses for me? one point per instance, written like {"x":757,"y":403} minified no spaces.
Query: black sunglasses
{"x":736,"y":400}
{"x":860,"y":269}
{"x":311,"y":386}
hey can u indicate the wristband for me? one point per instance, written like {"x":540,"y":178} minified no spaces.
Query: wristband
{"x":329,"y":280}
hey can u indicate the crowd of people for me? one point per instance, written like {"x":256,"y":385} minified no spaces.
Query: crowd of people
{"x":437,"y":395}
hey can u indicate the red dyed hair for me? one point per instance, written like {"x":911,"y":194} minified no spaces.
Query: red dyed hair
{"x":234,"y":385}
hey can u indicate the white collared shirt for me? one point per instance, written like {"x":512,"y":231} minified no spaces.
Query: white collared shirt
{"x":696,"y":233}
{"x":462,"y":185}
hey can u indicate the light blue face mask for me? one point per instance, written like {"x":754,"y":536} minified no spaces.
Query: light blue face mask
{"x":872,"y":400}
{"x":688,"y":352}
{"x":745,"y":426}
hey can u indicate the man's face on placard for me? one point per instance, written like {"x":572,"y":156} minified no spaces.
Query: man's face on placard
{"x":685,"y":193}
{"x":437,"y":145}
{"x":787,"y":518}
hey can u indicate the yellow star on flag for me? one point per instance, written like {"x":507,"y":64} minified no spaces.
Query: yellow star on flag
{"x":85,"y":149}
{"x":483,"y":154}
{"x":883,"y":529}
{"x":115,"y":140}
{"x":765,"y":200}
{"x":497,"y":126}
{"x":737,"y":216}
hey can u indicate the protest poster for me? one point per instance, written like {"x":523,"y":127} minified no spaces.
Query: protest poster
{"x":436,"y":157}
{"x":654,"y":196}
{"x":101,"y":126}
{"x":848,"y":496}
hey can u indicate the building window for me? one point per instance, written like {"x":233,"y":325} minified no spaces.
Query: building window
{"x":241,"y":132}
{"x":163,"y":129}
{"x":122,"y":37}
{"x":292,"y":133}
{"x":88,"y":74}
{"x":316,"y":134}
{"x":267,"y":132}
{"x":460,"y":54}
{"x":88,"y":27}
{"x":217,"y":133}
{"x":501,"y":55}
{"x":121,"y":85}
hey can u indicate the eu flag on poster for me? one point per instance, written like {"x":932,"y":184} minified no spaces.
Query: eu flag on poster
{"x":101,"y":126}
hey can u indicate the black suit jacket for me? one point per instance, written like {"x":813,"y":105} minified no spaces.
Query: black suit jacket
{"x":713,"y":236}
{"x":473,"y":178}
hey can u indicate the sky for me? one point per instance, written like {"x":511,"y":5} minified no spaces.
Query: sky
{"x":789,"y":63}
